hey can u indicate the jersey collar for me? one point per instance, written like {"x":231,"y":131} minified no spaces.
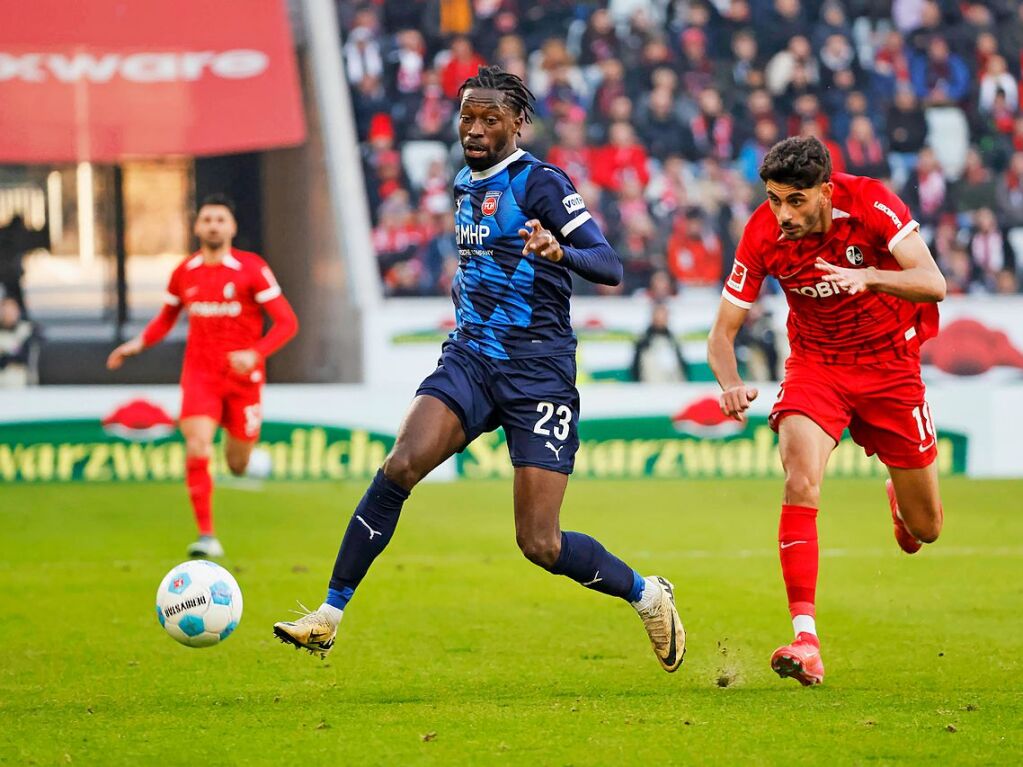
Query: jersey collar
{"x":228,"y":260}
{"x":495,"y":169}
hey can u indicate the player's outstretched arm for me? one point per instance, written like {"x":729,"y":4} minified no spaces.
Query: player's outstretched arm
{"x":155,"y":331}
{"x":735,"y":396}
{"x":920,"y":280}
{"x":588,"y":253}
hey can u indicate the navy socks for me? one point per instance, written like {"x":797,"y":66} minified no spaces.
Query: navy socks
{"x":368,"y":533}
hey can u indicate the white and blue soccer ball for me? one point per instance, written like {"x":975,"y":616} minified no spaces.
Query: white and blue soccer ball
{"x":199,"y":603}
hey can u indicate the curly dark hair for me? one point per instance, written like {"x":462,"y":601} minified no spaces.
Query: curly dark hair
{"x":516,"y":94}
{"x":800,"y":161}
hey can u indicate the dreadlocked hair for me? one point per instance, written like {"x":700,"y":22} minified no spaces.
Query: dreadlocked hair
{"x":516,"y":94}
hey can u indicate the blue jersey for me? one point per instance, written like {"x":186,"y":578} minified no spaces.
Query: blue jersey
{"x":509,"y":305}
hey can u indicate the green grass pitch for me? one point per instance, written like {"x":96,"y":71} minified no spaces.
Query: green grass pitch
{"x":458,"y":651}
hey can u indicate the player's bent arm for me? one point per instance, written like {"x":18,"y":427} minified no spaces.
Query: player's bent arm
{"x":920,"y":279}
{"x":721,"y":343}
{"x":736,"y":396}
{"x":283,"y":328}
{"x":589,"y":255}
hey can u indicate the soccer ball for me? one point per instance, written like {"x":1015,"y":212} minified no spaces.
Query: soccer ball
{"x":199,"y":603}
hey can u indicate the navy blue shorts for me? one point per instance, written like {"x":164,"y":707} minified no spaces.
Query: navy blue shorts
{"x":534,"y":399}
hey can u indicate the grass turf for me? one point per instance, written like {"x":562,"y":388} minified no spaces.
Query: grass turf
{"x":458,"y":651}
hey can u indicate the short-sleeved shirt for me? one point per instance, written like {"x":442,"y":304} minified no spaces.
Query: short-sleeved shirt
{"x":223,"y":303}
{"x":509,"y":305}
{"x":826,"y":323}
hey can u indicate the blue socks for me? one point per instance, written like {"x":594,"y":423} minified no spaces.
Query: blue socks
{"x":368,"y":533}
{"x":586,"y":562}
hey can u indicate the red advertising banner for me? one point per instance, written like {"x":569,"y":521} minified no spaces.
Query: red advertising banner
{"x":105,"y":79}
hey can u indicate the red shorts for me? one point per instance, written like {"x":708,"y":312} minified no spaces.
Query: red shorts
{"x":883,"y":405}
{"x":234,"y":404}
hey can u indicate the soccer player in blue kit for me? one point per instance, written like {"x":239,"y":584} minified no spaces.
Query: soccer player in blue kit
{"x":521,"y":228}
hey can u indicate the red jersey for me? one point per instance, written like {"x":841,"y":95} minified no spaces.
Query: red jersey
{"x":225,"y":309}
{"x":826,"y":323}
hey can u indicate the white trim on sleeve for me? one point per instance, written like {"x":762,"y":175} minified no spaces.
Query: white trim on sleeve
{"x":902,"y":234}
{"x":575,"y":223}
{"x":267,"y":295}
{"x":170,"y":299}
{"x":737,"y":301}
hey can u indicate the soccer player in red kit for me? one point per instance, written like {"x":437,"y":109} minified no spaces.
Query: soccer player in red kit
{"x":225,"y":292}
{"x":862,"y":289}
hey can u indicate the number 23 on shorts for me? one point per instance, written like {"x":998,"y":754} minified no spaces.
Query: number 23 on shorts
{"x":549,"y":410}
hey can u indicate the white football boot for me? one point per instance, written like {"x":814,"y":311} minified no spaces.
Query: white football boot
{"x":314,"y":632}
{"x":663,"y":625}
{"x":207,"y":546}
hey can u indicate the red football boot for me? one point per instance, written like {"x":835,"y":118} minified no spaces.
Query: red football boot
{"x":800,"y":660}
{"x":905,"y":539}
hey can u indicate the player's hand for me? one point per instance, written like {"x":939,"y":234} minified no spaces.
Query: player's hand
{"x":735,"y":401}
{"x":243,"y":361}
{"x":541,"y":242}
{"x":127,"y":349}
{"x":852,"y":281}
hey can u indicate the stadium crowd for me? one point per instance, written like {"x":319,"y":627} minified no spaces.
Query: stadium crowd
{"x":662,"y":110}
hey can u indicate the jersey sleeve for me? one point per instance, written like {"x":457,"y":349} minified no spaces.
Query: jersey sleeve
{"x":173,"y":295}
{"x":747,"y":276}
{"x":551,"y":197}
{"x":264,"y":284}
{"x":885,"y":215}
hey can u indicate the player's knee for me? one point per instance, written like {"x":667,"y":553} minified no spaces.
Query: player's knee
{"x":542,"y":550}
{"x":801,"y":489}
{"x":237,"y":464}
{"x":197,"y":448}
{"x":401,"y":469}
{"x":928,"y":528}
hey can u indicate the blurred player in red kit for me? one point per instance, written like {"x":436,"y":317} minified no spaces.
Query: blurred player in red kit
{"x":225,"y":292}
{"x":862,"y":289}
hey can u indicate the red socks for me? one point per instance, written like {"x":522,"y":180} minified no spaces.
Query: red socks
{"x":200,"y":488}
{"x":797,"y":546}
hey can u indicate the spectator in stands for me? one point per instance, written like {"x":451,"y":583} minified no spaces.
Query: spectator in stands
{"x":397,"y":238}
{"x":694,"y":251}
{"x":406,"y":63}
{"x":960,"y":275}
{"x":795,"y":64}
{"x":666,"y":191}
{"x":838,"y":58}
{"x":907,"y":132}
{"x":661,"y":287}
{"x":756,"y":346}
{"x":571,"y":153}
{"x":15,"y":240}
{"x":622,"y":158}
{"x":988,"y":249}
{"x":657,"y":355}
{"x":440,"y":256}
{"x":1006,"y":283}
{"x":940,"y":77}
{"x":926,"y":190}
{"x":433,"y":112}
{"x":460,"y":66}
{"x":711,"y":131}
{"x":864,"y":154}
{"x":783,"y":23}
{"x":661,"y":129}
{"x":372,"y":106}
{"x":976,"y":188}
{"x":362,"y":50}
{"x":600,"y":42}
{"x":996,"y":79}
{"x":745,"y":61}
{"x":698,"y":70}
{"x":765,"y":135}
{"x":891,"y":67}
{"x":17,"y":346}
{"x":1009,"y":194}
{"x":612,"y":85}
{"x":832,"y":21}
